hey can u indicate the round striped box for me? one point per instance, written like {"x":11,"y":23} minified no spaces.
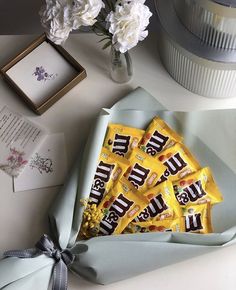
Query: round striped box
{"x":202,"y":69}
{"x":214,"y":22}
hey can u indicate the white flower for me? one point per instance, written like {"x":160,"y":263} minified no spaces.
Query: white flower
{"x":85,"y":12}
{"x":56,"y":19}
{"x":128,"y":23}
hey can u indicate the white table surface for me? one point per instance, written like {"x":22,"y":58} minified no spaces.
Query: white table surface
{"x":23,"y":216}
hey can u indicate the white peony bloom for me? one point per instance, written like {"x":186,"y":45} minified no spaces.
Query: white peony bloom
{"x":56,"y":19}
{"x":85,"y":12}
{"x":128,"y":23}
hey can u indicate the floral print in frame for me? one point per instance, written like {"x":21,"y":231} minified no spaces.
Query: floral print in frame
{"x":42,"y":75}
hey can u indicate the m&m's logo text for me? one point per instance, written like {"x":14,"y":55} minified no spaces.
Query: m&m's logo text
{"x":101,"y":178}
{"x":117,"y":210}
{"x":121,"y":144}
{"x":156,"y":143}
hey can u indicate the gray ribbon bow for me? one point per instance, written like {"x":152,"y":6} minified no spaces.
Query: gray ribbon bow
{"x":62,"y":260}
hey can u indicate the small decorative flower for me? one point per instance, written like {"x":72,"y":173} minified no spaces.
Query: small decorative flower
{"x":42,"y":75}
{"x":10,"y":158}
{"x":84,"y":12}
{"x":14,"y":151}
{"x":14,"y":162}
{"x":127,"y":24}
{"x":91,"y":220}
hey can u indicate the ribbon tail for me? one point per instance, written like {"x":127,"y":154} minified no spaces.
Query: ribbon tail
{"x":29,"y":253}
{"x":60,"y":276}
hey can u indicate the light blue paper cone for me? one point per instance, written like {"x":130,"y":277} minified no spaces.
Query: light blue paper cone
{"x":101,"y":259}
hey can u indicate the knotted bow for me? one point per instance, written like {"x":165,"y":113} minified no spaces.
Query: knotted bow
{"x":62,"y":260}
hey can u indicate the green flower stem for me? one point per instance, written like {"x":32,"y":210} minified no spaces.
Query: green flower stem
{"x":103,"y":15}
{"x":110,"y":4}
{"x":107,"y":8}
{"x":101,"y":28}
{"x":129,"y":63}
{"x":107,"y":4}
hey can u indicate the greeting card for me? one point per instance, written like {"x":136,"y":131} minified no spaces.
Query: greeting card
{"x":19,"y":138}
{"x":47,"y":166}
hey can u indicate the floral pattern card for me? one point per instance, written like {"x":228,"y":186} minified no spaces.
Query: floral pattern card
{"x":19,"y":138}
{"x":47,"y":167}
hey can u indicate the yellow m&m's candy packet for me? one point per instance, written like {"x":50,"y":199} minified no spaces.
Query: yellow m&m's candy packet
{"x":121,"y":139}
{"x":176,"y":225}
{"x":197,"y":188}
{"x":109,"y":170}
{"x":120,"y":206}
{"x":178,"y":161}
{"x":158,"y":137}
{"x":198,"y":218}
{"x":162,"y":205}
{"x":145,"y":170}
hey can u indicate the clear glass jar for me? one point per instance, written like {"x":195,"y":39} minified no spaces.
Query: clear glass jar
{"x":121,"y":69}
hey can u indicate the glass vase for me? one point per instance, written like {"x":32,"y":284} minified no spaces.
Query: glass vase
{"x":121,"y":69}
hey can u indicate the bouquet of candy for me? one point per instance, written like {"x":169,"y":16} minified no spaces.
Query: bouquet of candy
{"x":138,"y":190}
{"x":148,"y":181}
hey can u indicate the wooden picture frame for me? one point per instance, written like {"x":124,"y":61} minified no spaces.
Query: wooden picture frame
{"x":79,"y":74}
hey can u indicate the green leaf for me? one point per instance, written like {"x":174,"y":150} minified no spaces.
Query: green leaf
{"x":100,"y":27}
{"x":113,"y":6}
{"x":106,"y":45}
{"x":97,"y":33}
{"x":109,"y":4}
{"x":107,"y":37}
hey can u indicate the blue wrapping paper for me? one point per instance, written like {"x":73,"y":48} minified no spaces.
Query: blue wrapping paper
{"x":101,"y":259}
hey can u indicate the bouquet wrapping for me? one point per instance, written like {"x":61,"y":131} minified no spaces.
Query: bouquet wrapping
{"x":106,"y":259}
